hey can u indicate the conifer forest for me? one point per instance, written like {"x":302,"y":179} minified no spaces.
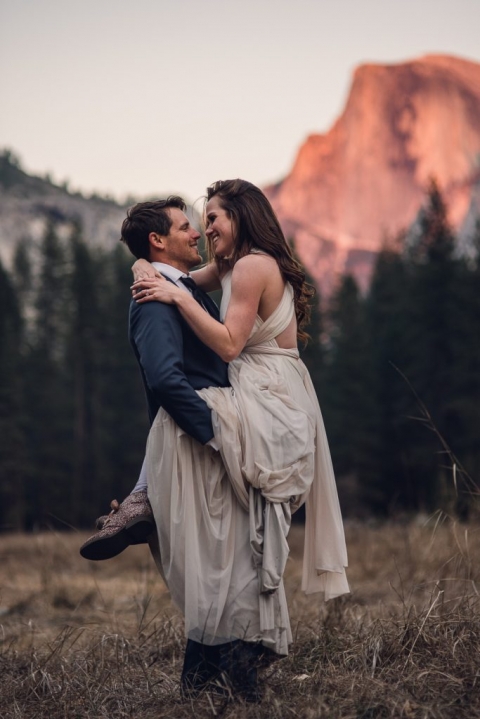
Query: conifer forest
{"x":397,"y":373}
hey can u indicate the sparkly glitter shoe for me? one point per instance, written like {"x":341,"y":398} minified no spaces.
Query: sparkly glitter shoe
{"x":130,"y":522}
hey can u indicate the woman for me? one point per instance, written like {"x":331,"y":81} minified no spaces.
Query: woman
{"x":269,"y":430}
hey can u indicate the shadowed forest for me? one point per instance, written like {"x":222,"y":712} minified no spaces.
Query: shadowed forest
{"x":73,"y":419}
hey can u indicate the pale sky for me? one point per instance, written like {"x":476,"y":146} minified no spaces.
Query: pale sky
{"x":154,"y":96}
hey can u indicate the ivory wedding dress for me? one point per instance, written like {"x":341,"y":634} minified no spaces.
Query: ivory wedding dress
{"x":223,"y":518}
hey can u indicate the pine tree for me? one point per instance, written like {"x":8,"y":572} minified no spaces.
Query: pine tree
{"x":430,"y":293}
{"x":388,"y":485}
{"x":49,"y":402}
{"x":82,"y":359}
{"x":23,"y":276}
{"x":345,"y":397}
{"x":464,"y":407}
{"x":12,"y":438}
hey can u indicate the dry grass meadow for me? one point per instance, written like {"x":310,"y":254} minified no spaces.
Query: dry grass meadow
{"x":80,"y":639}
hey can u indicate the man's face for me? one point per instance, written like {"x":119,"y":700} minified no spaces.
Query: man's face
{"x":180,"y":246}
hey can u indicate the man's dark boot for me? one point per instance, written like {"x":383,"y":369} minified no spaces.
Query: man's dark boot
{"x":130,"y":522}
{"x":239,"y":661}
{"x":201,"y":669}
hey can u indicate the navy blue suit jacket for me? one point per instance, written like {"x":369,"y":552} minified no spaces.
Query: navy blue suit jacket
{"x":174,"y":363}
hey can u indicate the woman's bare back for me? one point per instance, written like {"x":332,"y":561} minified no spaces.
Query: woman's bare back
{"x":272,"y":297}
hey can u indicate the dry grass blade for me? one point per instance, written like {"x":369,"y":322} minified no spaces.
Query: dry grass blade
{"x":455,"y":466}
{"x":102,"y":641}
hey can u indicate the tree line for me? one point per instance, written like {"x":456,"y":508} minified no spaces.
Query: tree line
{"x":73,"y":421}
{"x":72,"y":411}
{"x":414,"y":338}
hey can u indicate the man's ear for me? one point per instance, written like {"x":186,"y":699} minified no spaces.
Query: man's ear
{"x":156,"y":241}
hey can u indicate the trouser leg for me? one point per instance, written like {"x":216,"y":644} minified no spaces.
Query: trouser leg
{"x":142,"y":484}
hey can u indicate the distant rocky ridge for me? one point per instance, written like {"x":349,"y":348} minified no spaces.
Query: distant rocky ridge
{"x":366,"y":178}
{"x":28,"y":203}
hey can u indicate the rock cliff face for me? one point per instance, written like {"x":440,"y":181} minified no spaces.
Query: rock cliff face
{"x":366,"y":178}
{"x":28,"y":203}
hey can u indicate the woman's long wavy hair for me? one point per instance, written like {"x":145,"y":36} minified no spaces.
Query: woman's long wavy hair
{"x":257,"y":227}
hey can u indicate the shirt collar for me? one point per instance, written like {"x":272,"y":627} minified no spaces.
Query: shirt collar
{"x":171,"y":272}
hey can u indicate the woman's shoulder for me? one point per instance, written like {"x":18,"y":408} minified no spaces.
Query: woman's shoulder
{"x":255,"y":259}
{"x":259,"y":268}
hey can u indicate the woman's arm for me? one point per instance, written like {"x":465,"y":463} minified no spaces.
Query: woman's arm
{"x":143,"y":269}
{"x":227,"y":340}
{"x":207,"y":277}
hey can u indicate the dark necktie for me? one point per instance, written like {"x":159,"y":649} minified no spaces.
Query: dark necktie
{"x":194,"y":289}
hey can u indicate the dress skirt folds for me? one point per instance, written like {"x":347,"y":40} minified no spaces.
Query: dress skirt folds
{"x":223,"y":517}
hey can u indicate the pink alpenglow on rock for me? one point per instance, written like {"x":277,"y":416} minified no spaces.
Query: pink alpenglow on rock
{"x":366,"y":178}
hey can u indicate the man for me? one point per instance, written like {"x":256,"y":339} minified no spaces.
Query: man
{"x":174,"y":364}
{"x":173,"y":361}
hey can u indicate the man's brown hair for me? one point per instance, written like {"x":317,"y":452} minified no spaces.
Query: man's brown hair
{"x":146,"y":217}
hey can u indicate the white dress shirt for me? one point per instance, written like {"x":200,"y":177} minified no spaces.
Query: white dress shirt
{"x":172,"y":273}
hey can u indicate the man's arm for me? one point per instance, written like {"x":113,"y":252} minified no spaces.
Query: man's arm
{"x":156,"y":331}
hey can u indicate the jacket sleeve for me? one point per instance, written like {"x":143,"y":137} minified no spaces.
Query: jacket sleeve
{"x":156,"y":331}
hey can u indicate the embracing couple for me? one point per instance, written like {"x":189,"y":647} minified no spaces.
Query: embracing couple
{"x":237,"y":442}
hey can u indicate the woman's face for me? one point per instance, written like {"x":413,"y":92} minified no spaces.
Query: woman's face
{"x":220,"y":228}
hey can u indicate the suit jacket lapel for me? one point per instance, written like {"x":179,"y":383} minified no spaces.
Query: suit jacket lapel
{"x":210,"y":306}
